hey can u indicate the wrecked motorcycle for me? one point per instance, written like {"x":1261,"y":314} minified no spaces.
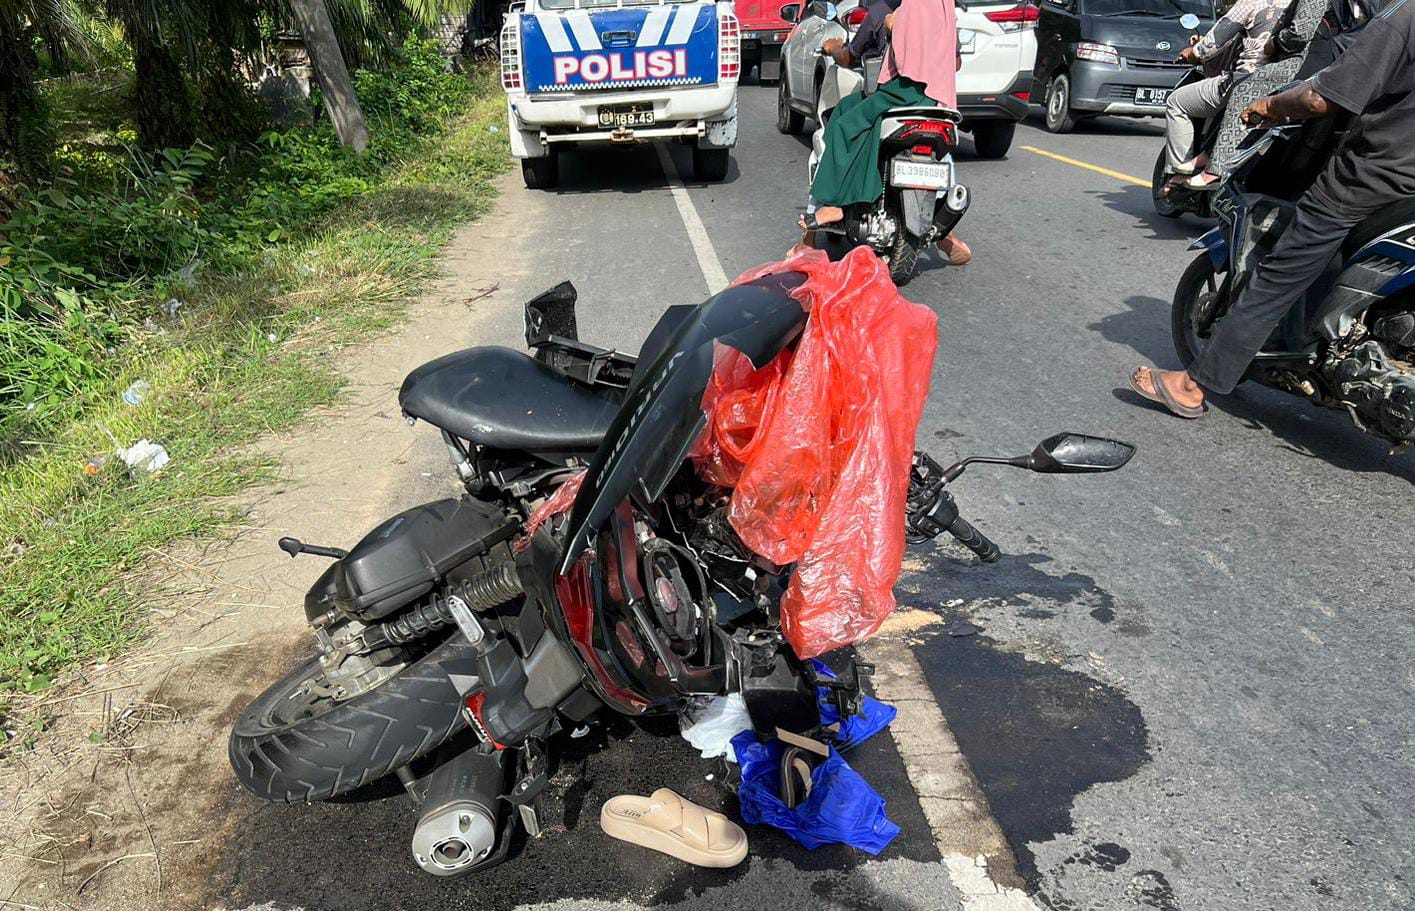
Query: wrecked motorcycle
{"x":458,"y":637}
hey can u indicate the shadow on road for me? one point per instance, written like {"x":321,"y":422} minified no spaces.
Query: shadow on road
{"x":1103,"y":126}
{"x":1317,"y":433}
{"x":1135,"y":201}
{"x":601,"y":168}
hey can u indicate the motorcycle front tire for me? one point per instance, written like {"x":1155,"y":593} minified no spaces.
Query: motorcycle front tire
{"x":336,"y":747}
{"x":1201,"y":276}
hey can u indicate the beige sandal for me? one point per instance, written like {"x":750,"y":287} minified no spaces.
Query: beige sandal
{"x":673,"y":825}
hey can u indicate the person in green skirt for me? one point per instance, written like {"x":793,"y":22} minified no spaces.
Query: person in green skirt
{"x":919,"y":70}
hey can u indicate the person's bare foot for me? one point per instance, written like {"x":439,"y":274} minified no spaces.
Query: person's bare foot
{"x":1180,"y":385}
{"x":807,"y":243}
{"x":1201,"y":181}
{"x":829,"y":215}
{"x":955,"y":250}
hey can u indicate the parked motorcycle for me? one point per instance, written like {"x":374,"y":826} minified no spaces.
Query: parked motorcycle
{"x":458,"y":637}
{"x":922,"y":199}
{"x":1350,"y":343}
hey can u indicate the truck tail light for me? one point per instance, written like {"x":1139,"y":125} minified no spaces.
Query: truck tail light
{"x":511,"y":54}
{"x":729,"y":47}
{"x":1023,"y":16}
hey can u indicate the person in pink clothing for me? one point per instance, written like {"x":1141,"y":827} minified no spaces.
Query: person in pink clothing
{"x":920,"y":69}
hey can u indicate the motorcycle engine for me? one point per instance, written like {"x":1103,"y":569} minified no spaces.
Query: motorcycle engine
{"x":1381,"y":391}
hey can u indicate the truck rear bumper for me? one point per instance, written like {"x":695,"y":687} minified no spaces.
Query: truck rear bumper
{"x":572,"y":111}
{"x":536,"y":125}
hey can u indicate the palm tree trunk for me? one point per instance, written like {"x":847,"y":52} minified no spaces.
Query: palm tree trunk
{"x":340,"y":102}
{"x":162,"y":104}
{"x":26,"y":138}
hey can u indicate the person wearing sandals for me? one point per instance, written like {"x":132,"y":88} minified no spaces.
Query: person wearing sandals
{"x":919,"y":70}
{"x":1373,"y":79}
{"x":1235,"y":46}
{"x":1286,"y":48}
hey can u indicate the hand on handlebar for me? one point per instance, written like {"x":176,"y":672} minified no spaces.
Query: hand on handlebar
{"x":1259,"y":114}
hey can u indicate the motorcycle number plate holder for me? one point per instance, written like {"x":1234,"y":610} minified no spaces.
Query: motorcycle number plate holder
{"x":636,"y":114}
{"x":920,"y":175}
{"x":1156,"y":97}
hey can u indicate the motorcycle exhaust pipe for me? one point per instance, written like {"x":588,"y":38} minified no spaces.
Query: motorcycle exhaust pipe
{"x":955,"y":204}
{"x":458,"y":823}
{"x":956,"y":200}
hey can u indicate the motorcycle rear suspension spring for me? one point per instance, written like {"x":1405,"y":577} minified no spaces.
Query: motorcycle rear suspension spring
{"x":481,"y":592}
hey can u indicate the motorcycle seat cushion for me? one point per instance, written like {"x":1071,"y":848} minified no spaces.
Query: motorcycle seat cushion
{"x":1378,"y":223}
{"x":503,"y":399}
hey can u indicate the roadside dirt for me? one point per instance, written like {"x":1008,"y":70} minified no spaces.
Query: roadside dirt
{"x":119,"y":805}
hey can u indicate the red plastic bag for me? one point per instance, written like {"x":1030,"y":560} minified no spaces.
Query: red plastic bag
{"x":817,"y":445}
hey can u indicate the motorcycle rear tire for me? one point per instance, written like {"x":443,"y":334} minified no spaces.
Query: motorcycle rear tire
{"x":1164,"y":205}
{"x":346,"y":745}
{"x":904,"y":258}
{"x":1194,"y":282}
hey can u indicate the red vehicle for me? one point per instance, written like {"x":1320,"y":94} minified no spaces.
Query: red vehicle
{"x":763,"y":32}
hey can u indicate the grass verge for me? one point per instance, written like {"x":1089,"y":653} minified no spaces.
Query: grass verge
{"x":241,"y":359}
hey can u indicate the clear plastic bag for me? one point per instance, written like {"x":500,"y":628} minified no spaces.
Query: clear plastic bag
{"x":817,"y":445}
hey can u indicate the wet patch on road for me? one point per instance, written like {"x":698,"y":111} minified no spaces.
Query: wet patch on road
{"x":354,"y":854}
{"x":1036,"y":736}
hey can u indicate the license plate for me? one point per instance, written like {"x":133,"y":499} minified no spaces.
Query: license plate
{"x":626,"y":115}
{"x":921,"y":175}
{"x":1151,"y":96}
{"x":967,"y":40}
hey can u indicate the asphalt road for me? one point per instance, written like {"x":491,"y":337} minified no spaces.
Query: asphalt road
{"x":1189,"y":687}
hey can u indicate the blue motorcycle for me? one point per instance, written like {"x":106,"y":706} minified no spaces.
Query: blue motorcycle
{"x":1350,"y":343}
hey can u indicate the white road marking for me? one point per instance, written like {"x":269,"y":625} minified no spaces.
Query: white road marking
{"x":971,"y":842}
{"x":977,"y":889}
{"x":703,"y":249}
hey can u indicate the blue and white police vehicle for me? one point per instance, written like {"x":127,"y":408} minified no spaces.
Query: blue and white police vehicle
{"x":620,"y":71}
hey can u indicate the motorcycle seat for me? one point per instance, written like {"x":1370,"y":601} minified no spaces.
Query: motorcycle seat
{"x":503,"y":399}
{"x":1378,"y":223}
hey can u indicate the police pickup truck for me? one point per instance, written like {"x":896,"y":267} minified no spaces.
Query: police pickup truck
{"x":621,"y":71}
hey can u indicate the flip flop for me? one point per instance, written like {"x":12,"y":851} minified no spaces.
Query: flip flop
{"x":809,"y":223}
{"x":670,"y":824}
{"x":1162,"y":395}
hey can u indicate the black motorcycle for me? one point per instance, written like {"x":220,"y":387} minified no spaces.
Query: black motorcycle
{"x":1350,"y":343}
{"x":458,"y":637}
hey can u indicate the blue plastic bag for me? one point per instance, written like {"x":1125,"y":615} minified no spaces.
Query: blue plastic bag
{"x":842,"y":808}
{"x":874,"y":715}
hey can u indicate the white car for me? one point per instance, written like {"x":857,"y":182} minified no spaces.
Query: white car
{"x":622,"y":71}
{"x":994,"y":84}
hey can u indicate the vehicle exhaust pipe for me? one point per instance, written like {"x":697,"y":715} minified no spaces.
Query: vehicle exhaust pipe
{"x":957,"y":198}
{"x":458,"y":824}
{"x":955,"y":204}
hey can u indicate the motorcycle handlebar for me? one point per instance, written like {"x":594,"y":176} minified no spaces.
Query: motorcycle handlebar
{"x":974,"y":540}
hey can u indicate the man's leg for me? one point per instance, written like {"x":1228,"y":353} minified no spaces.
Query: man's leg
{"x":1279,"y":281}
{"x":1198,"y":99}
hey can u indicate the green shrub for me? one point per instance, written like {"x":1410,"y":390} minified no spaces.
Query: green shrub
{"x":86,"y":259}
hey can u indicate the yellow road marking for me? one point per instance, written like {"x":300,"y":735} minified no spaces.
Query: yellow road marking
{"x":1089,"y":167}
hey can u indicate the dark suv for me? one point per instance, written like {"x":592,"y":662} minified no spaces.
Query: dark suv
{"x":1111,"y":56}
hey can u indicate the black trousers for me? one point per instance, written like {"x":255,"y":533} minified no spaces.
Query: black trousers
{"x":1298,"y":259}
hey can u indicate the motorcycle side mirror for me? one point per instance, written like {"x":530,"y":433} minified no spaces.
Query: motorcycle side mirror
{"x":1075,"y":453}
{"x":1189,"y":21}
{"x":791,"y":13}
{"x":1064,"y":453}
